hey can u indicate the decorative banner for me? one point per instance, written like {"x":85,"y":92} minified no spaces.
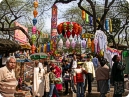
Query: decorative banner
{"x":19,"y":35}
{"x":125,"y":60}
{"x":54,"y":21}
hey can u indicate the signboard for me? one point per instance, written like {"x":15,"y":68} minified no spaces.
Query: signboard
{"x":125,"y":60}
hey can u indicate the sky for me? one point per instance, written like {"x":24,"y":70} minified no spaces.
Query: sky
{"x":61,"y":9}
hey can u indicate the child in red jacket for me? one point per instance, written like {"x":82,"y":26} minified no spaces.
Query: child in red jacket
{"x":79,"y":80}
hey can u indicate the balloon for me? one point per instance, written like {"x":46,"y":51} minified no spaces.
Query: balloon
{"x":34,"y":21}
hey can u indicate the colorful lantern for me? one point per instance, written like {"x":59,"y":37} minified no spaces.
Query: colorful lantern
{"x":35,"y":4}
{"x":60,"y":28}
{"x":70,"y":26}
{"x":48,"y":47}
{"x":34,"y":21}
{"x":67,"y":43}
{"x":45,"y":48}
{"x":73,"y":44}
{"x":83,"y":14}
{"x":33,"y":38}
{"x":68,"y":33}
{"x":89,"y":43}
{"x":87,"y":17}
{"x":65,"y":26}
{"x":35,"y":13}
{"x":33,"y":48}
{"x":34,"y":30}
{"x":76,"y":28}
{"x":91,"y":21}
{"x":107,"y":24}
{"x":92,"y":46}
{"x":83,"y":43}
{"x":60,"y":43}
{"x":110,"y":26}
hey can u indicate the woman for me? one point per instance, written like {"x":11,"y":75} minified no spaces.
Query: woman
{"x":102,"y":76}
{"x":38,"y":81}
{"x":117,"y":76}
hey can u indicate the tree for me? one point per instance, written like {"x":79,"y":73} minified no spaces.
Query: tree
{"x":21,"y":11}
{"x":109,"y":10}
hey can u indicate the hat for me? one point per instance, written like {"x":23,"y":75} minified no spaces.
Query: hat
{"x":80,"y":63}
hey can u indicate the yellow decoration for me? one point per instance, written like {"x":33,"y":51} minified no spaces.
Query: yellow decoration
{"x":101,"y":53}
{"x":89,"y":43}
{"x":45,"y":48}
{"x":35,"y":13}
{"x":110,"y":25}
{"x":83,"y":14}
{"x":35,"y":4}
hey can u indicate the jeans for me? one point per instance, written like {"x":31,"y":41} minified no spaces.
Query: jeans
{"x":117,"y":95}
{"x":80,"y":93}
{"x":108,"y":84}
{"x":53,"y":89}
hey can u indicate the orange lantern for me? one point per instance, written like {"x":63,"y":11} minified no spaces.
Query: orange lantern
{"x":83,"y":14}
{"x":92,"y":46}
{"x":33,"y":48}
{"x":35,"y":13}
{"x":76,"y":28}
{"x":35,"y":4}
{"x":60,"y":28}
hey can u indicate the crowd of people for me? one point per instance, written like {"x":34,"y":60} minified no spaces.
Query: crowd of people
{"x":72,"y":74}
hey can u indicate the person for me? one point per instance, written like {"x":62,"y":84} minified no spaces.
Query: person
{"x":117,"y":76}
{"x":95,"y":62}
{"x":67,"y":79}
{"x":52,"y":79}
{"x":102,"y":76}
{"x":40,"y":63}
{"x":38,"y":80}
{"x":46,"y":78}
{"x":8,"y":80}
{"x":79,"y":80}
{"x":89,"y":67}
{"x":73,"y":65}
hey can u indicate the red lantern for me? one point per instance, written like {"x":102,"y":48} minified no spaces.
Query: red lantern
{"x":73,"y":33}
{"x":60,"y":28}
{"x":76,"y":28}
{"x":68,"y":33}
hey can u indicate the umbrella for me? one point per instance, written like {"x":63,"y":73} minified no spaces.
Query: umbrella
{"x":38,"y":56}
{"x":23,"y":60}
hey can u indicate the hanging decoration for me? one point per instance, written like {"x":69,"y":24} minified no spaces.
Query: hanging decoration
{"x":67,"y":43}
{"x":83,"y":14}
{"x":54,"y":22}
{"x":60,"y":44}
{"x":34,"y":29}
{"x":91,"y":20}
{"x":87,"y":18}
{"x":33,"y":48}
{"x":69,"y":28}
{"x":83,"y":43}
{"x":73,"y":44}
{"x":89,"y":43}
{"x":110,"y":25}
{"x":107,"y":24}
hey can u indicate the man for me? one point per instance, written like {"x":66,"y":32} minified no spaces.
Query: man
{"x":95,"y":62}
{"x":8,"y":80}
{"x":89,"y":67}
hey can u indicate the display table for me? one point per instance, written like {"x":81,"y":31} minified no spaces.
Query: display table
{"x":21,"y":93}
